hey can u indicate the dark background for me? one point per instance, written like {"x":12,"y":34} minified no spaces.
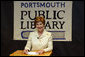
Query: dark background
{"x":74,"y":48}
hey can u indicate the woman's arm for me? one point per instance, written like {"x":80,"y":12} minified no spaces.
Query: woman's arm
{"x":50,"y":44}
{"x":28,"y":45}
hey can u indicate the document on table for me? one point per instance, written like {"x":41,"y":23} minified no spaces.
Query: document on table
{"x":33,"y":53}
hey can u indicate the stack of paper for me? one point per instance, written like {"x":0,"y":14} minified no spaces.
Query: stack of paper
{"x":33,"y":53}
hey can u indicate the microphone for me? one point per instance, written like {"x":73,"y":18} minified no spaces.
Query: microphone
{"x":37,"y":37}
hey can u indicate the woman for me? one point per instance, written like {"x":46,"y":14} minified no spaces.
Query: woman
{"x":40,"y":39}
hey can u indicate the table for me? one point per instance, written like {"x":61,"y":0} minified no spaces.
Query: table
{"x":20,"y":53}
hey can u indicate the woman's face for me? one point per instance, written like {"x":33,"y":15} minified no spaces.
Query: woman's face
{"x":40,"y":26}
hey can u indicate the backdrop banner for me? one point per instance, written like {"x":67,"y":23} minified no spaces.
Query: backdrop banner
{"x":58,"y":16}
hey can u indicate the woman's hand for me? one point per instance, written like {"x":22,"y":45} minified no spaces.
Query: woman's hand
{"x":41,"y":51}
{"x":25,"y":51}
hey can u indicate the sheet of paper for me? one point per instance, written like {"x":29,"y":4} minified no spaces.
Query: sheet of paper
{"x":33,"y":53}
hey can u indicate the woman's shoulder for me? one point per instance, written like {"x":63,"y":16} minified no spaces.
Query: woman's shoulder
{"x":32,"y":32}
{"x":48,"y":33}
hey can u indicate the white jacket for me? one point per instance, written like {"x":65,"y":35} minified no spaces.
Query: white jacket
{"x":44,"y":42}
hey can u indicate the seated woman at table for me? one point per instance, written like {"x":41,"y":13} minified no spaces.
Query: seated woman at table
{"x":40,"y":39}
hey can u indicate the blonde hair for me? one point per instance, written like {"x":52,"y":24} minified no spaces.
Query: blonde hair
{"x":39,"y":19}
